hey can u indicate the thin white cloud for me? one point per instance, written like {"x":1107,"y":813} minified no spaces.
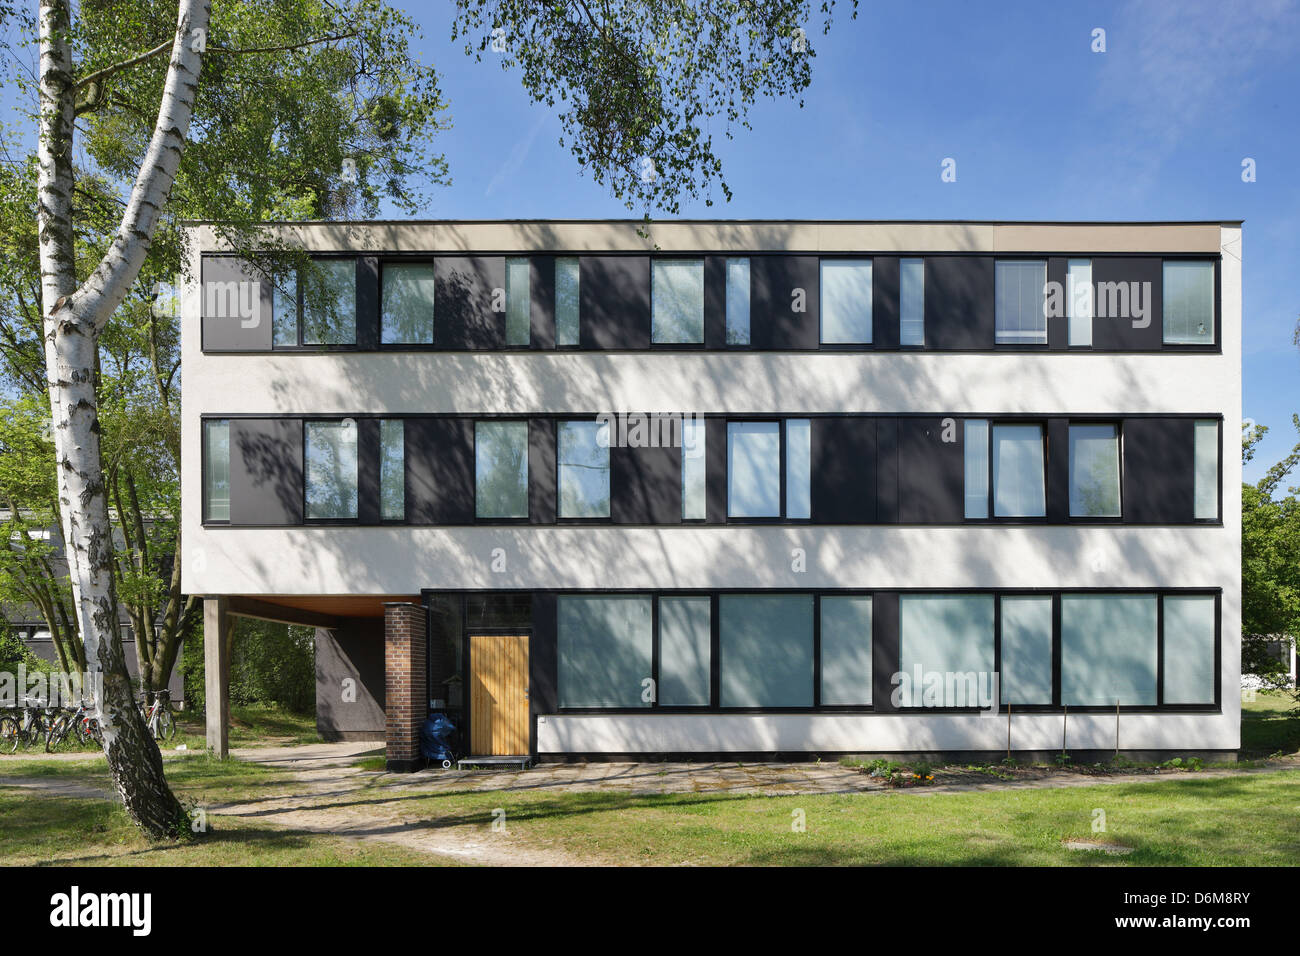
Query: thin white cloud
{"x":518,"y":154}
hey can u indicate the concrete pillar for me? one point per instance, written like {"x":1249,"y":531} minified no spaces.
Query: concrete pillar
{"x":406,"y":695}
{"x":216,"y":673}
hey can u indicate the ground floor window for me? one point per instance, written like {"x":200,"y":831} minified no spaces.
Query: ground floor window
{"x":605,"y":646}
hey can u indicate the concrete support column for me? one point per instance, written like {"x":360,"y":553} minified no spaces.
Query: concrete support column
{"x":406,"y":696}
{"x":216,"y":673}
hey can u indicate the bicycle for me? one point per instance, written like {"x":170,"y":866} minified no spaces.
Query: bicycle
{"x":69,"y":724}
{"x":24,"y":729}
{"x":158,"y":715}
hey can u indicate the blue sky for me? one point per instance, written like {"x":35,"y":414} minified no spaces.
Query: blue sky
{"x":1040,"y":126}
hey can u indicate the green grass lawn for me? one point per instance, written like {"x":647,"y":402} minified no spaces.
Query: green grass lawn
{"x":1268,"y":725}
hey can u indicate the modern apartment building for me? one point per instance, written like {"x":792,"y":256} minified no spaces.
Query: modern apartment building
{"x":730,"y":488}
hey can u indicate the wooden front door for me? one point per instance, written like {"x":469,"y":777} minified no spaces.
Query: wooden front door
{"x":498,"y":674}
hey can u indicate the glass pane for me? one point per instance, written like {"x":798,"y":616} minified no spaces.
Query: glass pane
{"x":798,"y":468}
{"x":912,"y":302}
{"x":566,"y":300}
{"x":330,"y":303}
{"x":392,"y":469}
{"x":766,"y":648}
{"x":846,"y":301}
{"x":331,"y":472}
{"x":684,"y":651}
{"x":678,"y":301}
{"x":1189,"y":303}
{"x":694,"y":489}
{"x":518,"y":302}
{"x":216,"y":470}
{"x":1020,"y":287}
{"x":1094,"y":471}
{"x":1108,"y":649}
{"x":846,"y":650}
{"x":754,"y":469}
{"x":1189,"y":649}
{"x":501,"y":469}
{"x":737,"y":301}
{"x":604,"y":647}
{"x":499,"y":610}
{"x":1027,"y":650}
{"x":945,"y":649}
{"x":1078,"y":300}
{"x":977,"y":467}
{"x":1206,"y":444}
{"x":284,"y":311}
{"x":584,"y":469}
{"x":407,"y":316}
{"x":1018,"y":472}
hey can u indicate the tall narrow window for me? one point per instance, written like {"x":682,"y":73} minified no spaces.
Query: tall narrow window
{"x":846,"y":650}
{"x":406,"y":316}
{"x":694,"y":488}
{"x":798,"y":468}
{"x":330,"y":450}
{"x":1108,"y":650}
{"x":738,"y":302}
{"x":754,"y":469}
{"x":329,"y":303}
{"x":216,"y":470}
{"x":566,"y":300}
{"x":949,"y":635}
{"x":911,"y":315}
{"x":584,"y":469}
{"x":392,"y":469}
{"x":1078,"y":301}
{"x":518,"y":302}
{"x":765,"y":643}
{"x":1190,"y":664}
{"x":1188,"y":303}
{"x":976,"y":440}
{"x":1206,"y":465}
{"x":1026,"y":650}
{"x":684,"y":651}
{"x":604,"y":647}
{"x":501,"y":469}
{"x":1094,"y":471}
{"x":1018,"y":477}
{"x":1020,"y":288}
{"x":846,"y":301}
{"x":284,"y":310}
{"x":677,"y":301}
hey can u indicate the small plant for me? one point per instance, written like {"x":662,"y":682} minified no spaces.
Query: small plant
{"x":1063,"y":759}
{"x":1178,"y":763}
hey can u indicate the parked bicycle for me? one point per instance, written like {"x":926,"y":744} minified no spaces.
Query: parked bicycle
{"x":68,"y":726}
{"x":23,"y":727}
{"x":158,"y":715}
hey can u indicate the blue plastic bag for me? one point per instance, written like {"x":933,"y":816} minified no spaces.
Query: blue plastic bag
{"x":436,"y":735}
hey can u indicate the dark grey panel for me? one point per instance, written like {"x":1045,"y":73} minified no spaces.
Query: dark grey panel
{"x":1058,"y":327}
{"x":715,"y":470}
{"x":884,"y":649}
{"x":541,"y":287}
{"x":541,"y":471}
{"x":266,"y":483}
{"x":1058,"y":470}
{"x":542,"y":661}
{"x":886,"y":276}
{"x":715,"y":302}
{"x":1158,"y":478}
{"x":439,"y":470}
{"x":773,"y":321}
{"x":1119,"y":285}
{"x":645,"y":485}
{"x":368,"y":471}
{"x":931,"y":471}
{"x":843,"y":470}
{"x":355,"y":653}
{"x":466,"y":287}
{"x":367,"y":302}
{"x":614,"y":302}
{"x":960,"y":312}
{"x":887,"y":471}
{"x":225,"y":326}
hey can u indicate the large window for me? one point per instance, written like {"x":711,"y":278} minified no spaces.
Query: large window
{"x":1094,"y":471}
{"x":407,"y":294}
{"x":1018,"y":476}
{"x":584,"y":469}
{"x":846,"y":651}
{"x":518,"y":302}
{"x":566,"y":301}
{"x":329,"y":302}
{"x":684,"y":651}
{"x":1190,"y":662}
{"x":945,"y":649}
{"x":605,"y":646}
{"x":911,"y":315}
{"x":1206,"y":467}
{"x":501,"y":469}
{"x":694,"y":485}
{"x":1079,"y":302}
{"x":754,"y":456}
{"x":846,"y":301}
{"x":1108,"y":650}
{"x":1188,"y":303}
{"x":216,"y":470}
{"x":392,"y":469}
{"x":766,"y":648}
{"x":677,"y":298}
{"x":1026,"y":649}
{"x":330,"y":450}
{"x":1020,"y":290}
{"x":738,"y":302}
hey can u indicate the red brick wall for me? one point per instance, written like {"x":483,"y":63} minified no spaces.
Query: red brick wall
{"x":405,"y":684}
